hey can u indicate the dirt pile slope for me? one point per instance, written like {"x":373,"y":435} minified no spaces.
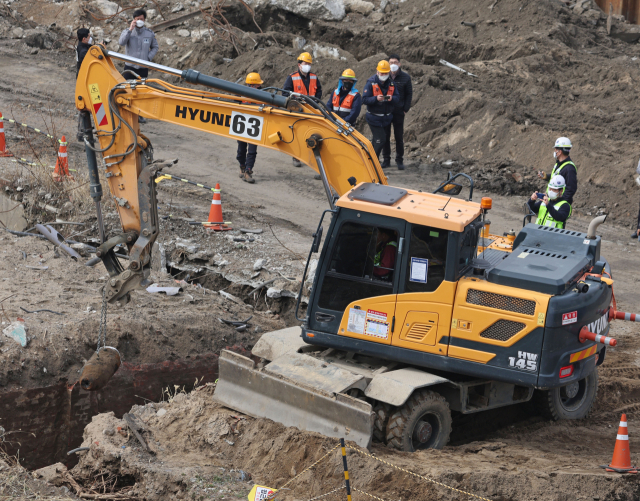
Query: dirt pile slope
{"x":200,"y":449}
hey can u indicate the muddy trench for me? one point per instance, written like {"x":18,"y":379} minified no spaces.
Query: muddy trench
{"x":40,"y":425}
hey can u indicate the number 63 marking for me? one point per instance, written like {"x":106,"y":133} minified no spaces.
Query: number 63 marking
{"x":249,"y":126}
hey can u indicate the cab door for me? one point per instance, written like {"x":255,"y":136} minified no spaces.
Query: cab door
{"x":425,"y":299}
{"x":358,"y":281}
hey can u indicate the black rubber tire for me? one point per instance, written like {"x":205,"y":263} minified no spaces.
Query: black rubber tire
{"x":422,"y":404}
{"x":569,"y":402}
{"x":382,"y":412}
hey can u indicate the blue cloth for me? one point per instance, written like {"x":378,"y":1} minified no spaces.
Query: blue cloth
{"x":379,"y":113}
{"x":347,"y":116}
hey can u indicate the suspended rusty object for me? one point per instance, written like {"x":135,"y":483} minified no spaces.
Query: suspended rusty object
{"x":99,"y":369}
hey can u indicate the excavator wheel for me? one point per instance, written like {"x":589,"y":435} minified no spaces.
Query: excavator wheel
{"x":382,"y":412}
{"x":423,"y":422}
{"x":573,"y":401}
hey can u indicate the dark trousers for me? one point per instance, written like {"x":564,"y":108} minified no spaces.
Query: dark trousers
{"x":143,"y":72}
{"x":379,"y":137}
{"x":247,"y":154}
{"x":398,"y":132}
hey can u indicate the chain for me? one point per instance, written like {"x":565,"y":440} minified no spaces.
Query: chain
{"x":102,"y":331}
{"x":416,"y":475}
{"x":307,"y":469}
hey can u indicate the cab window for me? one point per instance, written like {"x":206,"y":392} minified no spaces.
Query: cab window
{"x":362,"y":265}
{"x":468,"y":243}
{"x":427,"y":259}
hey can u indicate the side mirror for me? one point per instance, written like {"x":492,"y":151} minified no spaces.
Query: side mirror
{"x":452,"y":189}
{"x":317,"y":238}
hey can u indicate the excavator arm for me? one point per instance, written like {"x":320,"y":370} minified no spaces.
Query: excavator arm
{"x":296,"y":125}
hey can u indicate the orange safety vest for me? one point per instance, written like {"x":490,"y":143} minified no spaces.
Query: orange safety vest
{"x":298,"y":85}
{"x":378,"y":92}
{"x":347,"y":102}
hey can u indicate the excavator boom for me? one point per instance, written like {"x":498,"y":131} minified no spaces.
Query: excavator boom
{"x":296,"y":125}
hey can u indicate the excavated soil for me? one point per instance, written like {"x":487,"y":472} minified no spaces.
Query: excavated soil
{"x":202,"y":451}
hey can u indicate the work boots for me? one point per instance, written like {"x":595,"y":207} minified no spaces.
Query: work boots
{"x":247,"y":178}
{"x":242,"y":169}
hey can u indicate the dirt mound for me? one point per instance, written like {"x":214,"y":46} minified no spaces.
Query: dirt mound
{"x":198,"y":445}
{"x":18,"y":484}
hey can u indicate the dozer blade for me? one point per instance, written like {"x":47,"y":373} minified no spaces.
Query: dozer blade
{"x":244,"y":388}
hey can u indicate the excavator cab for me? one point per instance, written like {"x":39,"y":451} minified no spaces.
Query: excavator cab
{"x":386,"y":279}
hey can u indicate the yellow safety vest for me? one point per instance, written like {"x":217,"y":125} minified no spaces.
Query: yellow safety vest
{"x":545,"y":219}
{"x":558,"y":168}
{"x":378,"y":256}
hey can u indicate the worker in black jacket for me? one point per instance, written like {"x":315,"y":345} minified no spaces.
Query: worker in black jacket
{"x":564,"y":167}
{"x":84,"y":44}
{"x":402,"y":81}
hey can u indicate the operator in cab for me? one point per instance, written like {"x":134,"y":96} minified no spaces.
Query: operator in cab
{"x":247,"y":152}
{"x":552,"y":209}
{"x":303,"y":82}
{"x":564,"y":167}
{"x":381,"y":97}
{"x":346,"y":101}
{"x":386,"y":250}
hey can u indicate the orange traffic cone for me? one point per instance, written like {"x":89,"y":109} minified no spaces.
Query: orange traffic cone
{"x":62,"y":166}
{"x":621,"y":462}
{"x":215,"y":220}
{"x":3,"y":142}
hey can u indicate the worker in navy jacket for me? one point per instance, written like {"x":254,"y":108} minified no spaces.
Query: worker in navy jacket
{"x":346,"y":101}
{"x":381,"y":98}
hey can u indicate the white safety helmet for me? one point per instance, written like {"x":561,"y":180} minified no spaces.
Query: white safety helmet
{"x":557,"y":182}
{"x":563,"y":143}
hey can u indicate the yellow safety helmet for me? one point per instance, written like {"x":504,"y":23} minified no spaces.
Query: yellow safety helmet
{"x":254,"y":78}
{"x":306,"y":57}
{"x":383,"y":67}
{"x":348,"y":73}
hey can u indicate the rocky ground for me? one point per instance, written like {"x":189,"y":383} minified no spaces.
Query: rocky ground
{"x":543,"y":69}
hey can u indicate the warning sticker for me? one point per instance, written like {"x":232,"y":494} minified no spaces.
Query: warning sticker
{"x":569,"y":318}
{"x":98,"y":106}
{"x":260,"y":493}
{"x":377,"y":329}
{"x":381,"y":316}
{"x":356,"y":321}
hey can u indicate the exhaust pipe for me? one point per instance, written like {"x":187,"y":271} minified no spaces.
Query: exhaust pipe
{"x":593,"y":226}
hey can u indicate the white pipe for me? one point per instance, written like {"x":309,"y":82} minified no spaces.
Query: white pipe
{"x":593,"y":226}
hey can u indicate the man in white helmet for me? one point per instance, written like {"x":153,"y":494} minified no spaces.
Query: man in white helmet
{"x":564,"y":167}
{"x":552,"y":210}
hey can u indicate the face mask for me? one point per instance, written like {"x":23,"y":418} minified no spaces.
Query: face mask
{"x":555,"y":154}
{"x":90,"y":41}
{"x":305,"y":68}
{"x":347,"y":86}
{"x":139,"y":23}
{"x":395,"y":67}
{"x":384,"y":77}
{"x":552,"y":195}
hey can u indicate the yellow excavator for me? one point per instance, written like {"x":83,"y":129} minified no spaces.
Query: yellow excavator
{"x":416,"y":313}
